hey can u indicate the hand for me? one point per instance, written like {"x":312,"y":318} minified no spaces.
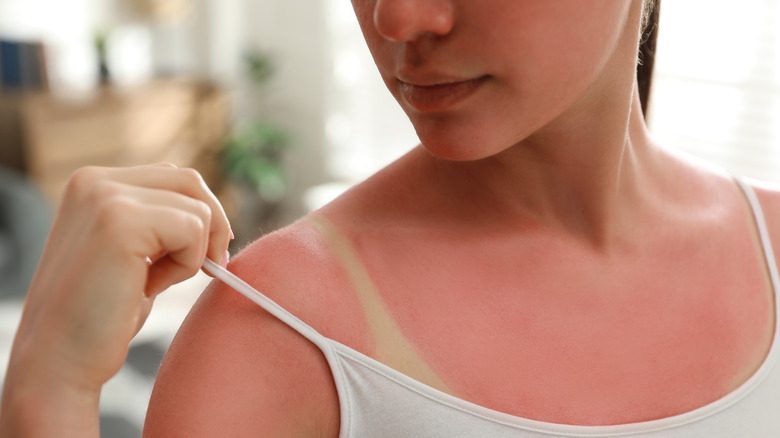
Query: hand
{"x":120,"y":237}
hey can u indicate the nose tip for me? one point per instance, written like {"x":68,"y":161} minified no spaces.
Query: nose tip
{"x":407,"y":20}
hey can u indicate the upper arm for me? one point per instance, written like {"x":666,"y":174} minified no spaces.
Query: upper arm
{"x":235,"y":370}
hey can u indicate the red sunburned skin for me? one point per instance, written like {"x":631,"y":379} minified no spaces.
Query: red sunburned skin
{"x":439,"y":97}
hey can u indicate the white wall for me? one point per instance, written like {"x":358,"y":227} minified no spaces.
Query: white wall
{"x":366,"y":128}
{"x":294,"y":33}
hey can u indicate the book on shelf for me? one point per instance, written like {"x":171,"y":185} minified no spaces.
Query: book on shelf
{"x":22,"y":66}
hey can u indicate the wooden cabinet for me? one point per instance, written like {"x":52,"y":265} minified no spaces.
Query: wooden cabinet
{"x":176,"y":121}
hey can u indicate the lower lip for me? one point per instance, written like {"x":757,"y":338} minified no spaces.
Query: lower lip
{"x":441,"y":97}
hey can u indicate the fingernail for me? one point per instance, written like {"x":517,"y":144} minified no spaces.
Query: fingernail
{"x":225,"y":259}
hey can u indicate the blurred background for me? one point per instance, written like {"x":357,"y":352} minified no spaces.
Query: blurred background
{"x":278,"y":105}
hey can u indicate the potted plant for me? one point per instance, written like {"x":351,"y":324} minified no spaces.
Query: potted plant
{"x":252,"y":160}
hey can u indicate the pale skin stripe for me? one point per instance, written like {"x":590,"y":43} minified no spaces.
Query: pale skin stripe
{"x":392,"y":347}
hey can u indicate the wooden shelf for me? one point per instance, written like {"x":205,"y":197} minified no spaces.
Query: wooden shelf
{"x":178,"y":121}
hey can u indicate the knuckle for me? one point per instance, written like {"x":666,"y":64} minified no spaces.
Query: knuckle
{"x":115,"y":214}
{"x":204,"y":213}
{"x":192,"y":222}
{"x":90,"y":187}
{"x":83,"y":179}
{"x":192,"y":176}
{"x":104,"y":191}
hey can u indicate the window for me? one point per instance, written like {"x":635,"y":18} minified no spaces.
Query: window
{"x":365,"y":127}
{"x":716,"y":90}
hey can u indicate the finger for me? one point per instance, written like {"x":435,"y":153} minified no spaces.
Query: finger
{"x":190,"y":183}
{"x":147,"y":197}
{"x":165,"y":198}
{"x":143,"y":313}
{"x":166,"y":177}
{"x":164,"y":273}
{"x":182,"y":236}
{"x":177,"y":200}
{"x":100,"y":186}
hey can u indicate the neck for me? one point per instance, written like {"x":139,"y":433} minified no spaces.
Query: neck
{"x":582,"y":179}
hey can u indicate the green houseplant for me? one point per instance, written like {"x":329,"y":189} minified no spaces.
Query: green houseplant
{"x":252,"y":158}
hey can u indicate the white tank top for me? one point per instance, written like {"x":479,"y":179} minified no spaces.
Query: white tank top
{"x":377,"y":401}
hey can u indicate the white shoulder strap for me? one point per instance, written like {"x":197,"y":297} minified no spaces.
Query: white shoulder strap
{"x":763,"y":233}
{"x":263,"y":301}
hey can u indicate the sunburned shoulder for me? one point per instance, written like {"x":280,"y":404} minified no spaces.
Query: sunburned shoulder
{"x":296,"y":267}
{"x":234,"y":369}
{"x":719,"y":181}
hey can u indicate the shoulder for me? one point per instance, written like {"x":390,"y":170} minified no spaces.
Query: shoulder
{"x":235,"y":369}
{"x":297,"y":268}
{"x":767,"y":195}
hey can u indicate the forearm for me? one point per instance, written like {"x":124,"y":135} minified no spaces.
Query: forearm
{"x":39,"y":404}
{"x":120,"y":237}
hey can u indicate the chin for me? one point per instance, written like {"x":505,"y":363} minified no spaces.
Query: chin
{"x":468,"y":135}
{"x":456,"y":151}
{"x":455,"y":143}
{"x":447,"y":142}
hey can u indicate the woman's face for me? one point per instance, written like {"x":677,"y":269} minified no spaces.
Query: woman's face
{"x":478,"y":76}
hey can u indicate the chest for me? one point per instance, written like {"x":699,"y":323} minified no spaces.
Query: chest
{"x":564,"y":337}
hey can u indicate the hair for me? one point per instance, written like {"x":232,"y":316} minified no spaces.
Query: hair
{"x":644,"y":72}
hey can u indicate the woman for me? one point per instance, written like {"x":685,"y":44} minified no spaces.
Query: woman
{"x":537,"y":267}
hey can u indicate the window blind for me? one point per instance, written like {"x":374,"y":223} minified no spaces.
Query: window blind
{"x":716,"y":87}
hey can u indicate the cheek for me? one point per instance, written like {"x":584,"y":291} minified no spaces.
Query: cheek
{"x":557,"y":58}
{"x":559,"y":45}
{"x":379,"y":47}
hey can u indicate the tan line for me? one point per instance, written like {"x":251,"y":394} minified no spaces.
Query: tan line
{"x":392,"y":347}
